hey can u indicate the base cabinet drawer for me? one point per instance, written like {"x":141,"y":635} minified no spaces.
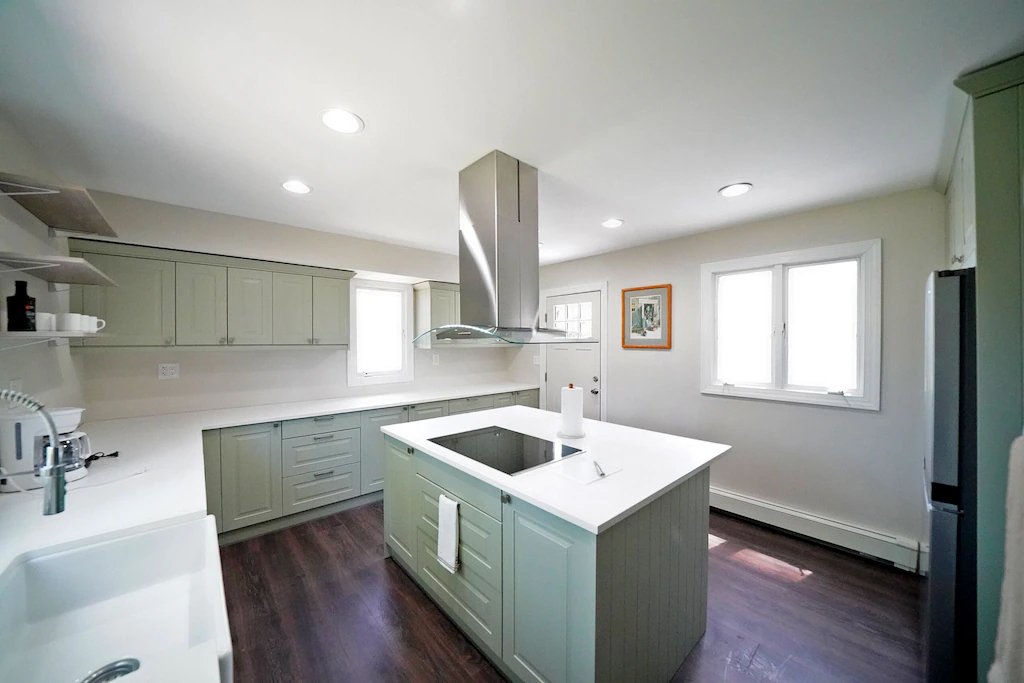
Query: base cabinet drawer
{"x":426,"y":411}
{"x":323,"y":487}
{"x":466,"y":405}
{"x":305,"y":454}
{"x":504,"y":400}
{"x":320,"y":424}
{"x":529,"y":398}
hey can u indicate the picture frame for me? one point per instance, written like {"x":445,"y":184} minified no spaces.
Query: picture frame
{"x":647,"y":317}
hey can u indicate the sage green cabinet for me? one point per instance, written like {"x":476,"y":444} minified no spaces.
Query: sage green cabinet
{"x":427,"y":411}
{"x":399,"y":502}
{"x":434,"y":304}
{"x":549,"y":586}
{"x":504,"y":400}
{"x":250,"y":475}
{"x":140,"y":310}
{"x":250,"y":307}
{"x":211,"y":472}
{"x":200,"y":304}
{"x":470,"y":404}
{"x":321,"y":487}
{"x":330,"y":310}
{"x":529,"y":398}
{"x":293,"y":309}
{"x":372,"y":447}
{"x":473,"y":593}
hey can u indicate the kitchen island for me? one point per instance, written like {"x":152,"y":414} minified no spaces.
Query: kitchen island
{"x":565,"y":574}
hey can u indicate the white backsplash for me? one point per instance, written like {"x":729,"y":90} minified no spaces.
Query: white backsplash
{"x":123,"y":382}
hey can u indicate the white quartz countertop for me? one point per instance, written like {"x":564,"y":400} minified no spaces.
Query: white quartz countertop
{"x":158,"y":478}
{"x":640,"y":464}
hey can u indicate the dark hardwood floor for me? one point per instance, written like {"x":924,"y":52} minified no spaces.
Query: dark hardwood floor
{"x":321,"y":602}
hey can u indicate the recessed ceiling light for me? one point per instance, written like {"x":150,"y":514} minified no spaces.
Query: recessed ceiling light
{"x":342,"y":121}
{"x":296,"y":186}
{"x":613,"y":223}
{"x":735,"y":190}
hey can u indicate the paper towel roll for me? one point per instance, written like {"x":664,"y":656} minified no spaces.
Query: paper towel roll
{"x":572,"y":412}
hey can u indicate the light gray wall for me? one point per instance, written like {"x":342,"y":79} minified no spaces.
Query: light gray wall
{"x":45,"y":372}
{"x":858,"y":467}
{"x":139,"y":221}
{"x":123,"y":382}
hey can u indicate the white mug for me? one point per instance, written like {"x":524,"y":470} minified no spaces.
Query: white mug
{"x":70,"y":322}
{"x":45,"y":322}
{"x":91,"y":323}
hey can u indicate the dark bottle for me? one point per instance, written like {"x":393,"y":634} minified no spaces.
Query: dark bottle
{"x":21,"y":309}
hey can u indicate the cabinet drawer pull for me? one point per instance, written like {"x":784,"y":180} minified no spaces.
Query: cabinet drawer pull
{"x":318,"y":475}
{"x":324,"y":418}
{"x":323,"y":437}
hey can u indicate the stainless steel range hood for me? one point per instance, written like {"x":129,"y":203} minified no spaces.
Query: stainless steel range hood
{"x":498,"y":254}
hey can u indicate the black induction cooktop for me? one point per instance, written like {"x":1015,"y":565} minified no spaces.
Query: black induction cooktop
{"x":505,"y":450}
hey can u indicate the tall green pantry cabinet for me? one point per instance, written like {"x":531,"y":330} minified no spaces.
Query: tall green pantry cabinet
{"x":998,"y":101}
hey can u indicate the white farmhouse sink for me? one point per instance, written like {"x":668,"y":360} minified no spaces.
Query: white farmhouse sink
{"x":155,"y":596}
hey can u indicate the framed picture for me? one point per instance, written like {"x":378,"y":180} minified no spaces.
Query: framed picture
{"x":647,"y":317}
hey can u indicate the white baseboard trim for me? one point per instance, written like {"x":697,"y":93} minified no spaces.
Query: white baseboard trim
{"x":902,"y":552}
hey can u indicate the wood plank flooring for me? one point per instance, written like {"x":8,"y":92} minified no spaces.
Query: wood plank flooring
{"x":321,"y":602}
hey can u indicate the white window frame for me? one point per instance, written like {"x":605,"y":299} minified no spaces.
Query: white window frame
{"x":406,"y":373}
{"x":869,"y":325}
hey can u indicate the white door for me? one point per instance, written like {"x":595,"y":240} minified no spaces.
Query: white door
{"x":573,"y":362}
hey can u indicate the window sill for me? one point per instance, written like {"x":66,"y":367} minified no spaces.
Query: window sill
{"x":369,"y":380}
{"x":790,"y":396}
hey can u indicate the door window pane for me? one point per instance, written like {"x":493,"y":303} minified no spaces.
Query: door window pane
{"x":744,"y":321}
{"x":379,"y":333}
{"x":821,"y":336}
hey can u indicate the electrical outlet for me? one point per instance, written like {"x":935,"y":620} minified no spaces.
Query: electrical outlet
{"x":436,"y":359}
{"x":167,"y":371}
{"x":536,"y":360}
{"x":16,"y":385}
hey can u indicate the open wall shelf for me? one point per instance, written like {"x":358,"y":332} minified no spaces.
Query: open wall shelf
{"x":69,"y":270}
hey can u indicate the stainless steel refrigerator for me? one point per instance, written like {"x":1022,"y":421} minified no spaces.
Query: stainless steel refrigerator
{"x":950,"y":474}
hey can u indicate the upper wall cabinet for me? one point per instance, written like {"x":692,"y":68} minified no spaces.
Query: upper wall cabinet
{"x":960,"y":204}
{"x":435,"y":304}
{"x":293,"y":309}
{"x":166,"y":297}
{"x":200,"y":304}
{"x":140,"y":310}
{"x":250,"y":306}
{"x":330,"y":310}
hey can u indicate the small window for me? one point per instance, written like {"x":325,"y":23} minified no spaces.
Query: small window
{"x":380,"y":350}
{"x":803,"y":326}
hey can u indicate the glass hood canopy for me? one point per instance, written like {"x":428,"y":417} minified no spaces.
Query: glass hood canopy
{"x":507,"y":335}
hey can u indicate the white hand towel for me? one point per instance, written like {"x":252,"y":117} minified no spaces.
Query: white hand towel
{"x":1008,"y":666}
{"x":448,"y":533}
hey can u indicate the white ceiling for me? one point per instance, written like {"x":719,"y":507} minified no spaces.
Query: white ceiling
{"x":633,"y":109}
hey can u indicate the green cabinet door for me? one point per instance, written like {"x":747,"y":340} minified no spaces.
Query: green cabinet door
{"x":250,"y":306}
{"x":330,"y":310}
{"x":201,"y":304}
{"x":548,"y":589}
{"x":372,"y":446}
{"x":427,"y":411}
{"x":250,"y":475}
{"x":399,"y":502}
{"x":293,"y":309}
{"x":529,"y":398}
{"x":139,"y":311}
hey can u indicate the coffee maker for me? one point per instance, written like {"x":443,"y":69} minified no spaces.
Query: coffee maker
{"x":23,"y":440}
